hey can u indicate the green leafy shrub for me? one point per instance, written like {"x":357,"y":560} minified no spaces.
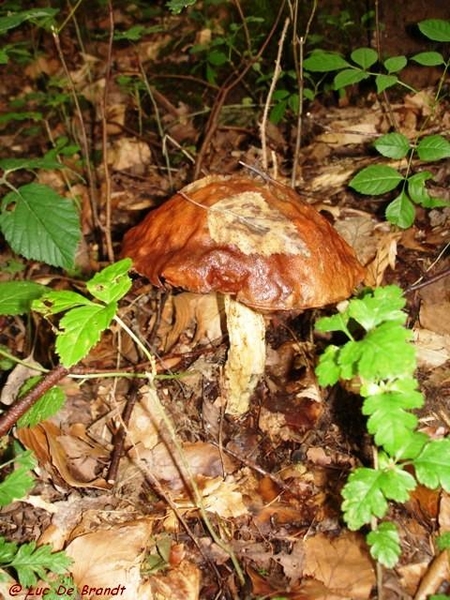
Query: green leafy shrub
{"x":381,"y":357}
{"x":29,"y":562}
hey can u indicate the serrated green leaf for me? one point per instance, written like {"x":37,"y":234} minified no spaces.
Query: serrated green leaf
{"x":7,"y":551}
{"x":433,"y":147}
{"x":433,"y":464}
{"x":278,"y":112}
{"x":363,"y":498}
{"x":22,"y":116}
{"x":33,"y":562}
{"x":337,"y":322}
{"x":401,"y":211}
{"x":19,"y":482}
{"x":47,"y":406}
{"x":383,"y":304}
{"x":376,"y":180}
{"x":383,"y":82}
{"x":437,"y":30}
{"x":394,"y":64}
{"x":364,"y":57}
{"x":391,"y":427}
{"x":16,"y":296}
{"x":349,"y":77}
{"x":57,"y":301}
{"x":112,"y":283}
{"x":328,"y":371}
{"x":324,"y":62}
{"x":80,"y":330}
{"x":429,"y":59}
{"x":384,"y":353}
{"x":393,"y":145}
{"x":393,"y":400}
{"x":41,"y":225}
{"x":384,"y":544}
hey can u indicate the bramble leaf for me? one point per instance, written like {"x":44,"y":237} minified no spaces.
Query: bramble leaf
{"x":384,"y":544}
{"x":16,"y":297}
{"x":376,"y":180}
{"x":41,"y":225}
{"x":47,"y":405}
{"x":54,"y":302}
{"x":19,"y":482}
{"x":80,"y":330}
{"x":112,"y":283}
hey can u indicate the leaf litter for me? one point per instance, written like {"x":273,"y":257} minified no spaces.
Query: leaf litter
{"x":270,"y":483}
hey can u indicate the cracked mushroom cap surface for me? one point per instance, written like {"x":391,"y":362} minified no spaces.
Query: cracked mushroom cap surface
{"x":255,"y":240}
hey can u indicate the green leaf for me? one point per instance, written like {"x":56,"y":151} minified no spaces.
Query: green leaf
{"x":328,"y":371}
{"x":19,"y":482}
{"x":433,"y":464}
{"x":323,"y":62}
{"x":80,"y":330}
{"x":393,"y":145}
{"x":32,"y":563}
{"x":391,"y":427}
{"x":429,"y":59}
{"x":385,"y":353}
{"x":337,"y":322}
{"x":364,"y":57}
{"x":176,"y":6}
{"x":383,"y":304}
{"x":363,"y":498}
{"x":16,"y":296}
{"x":112,"y":283}
{"x":383,"y":82}
{"x":217,"y":58}
{"x":278,"y":112}
{"x":401,"y":211}
{"x":376,"y":180}
{"x":419,"y":193}
{"x":384,"y":544}
{"x":41,"y":225}
{"x":17,"y":18}
{"x":433,"y":147}
{"x":437,"y":30}
{"x":15,"y":164}
{"x":47,"y":405}
{"x":54,"y":302}
{"x":394,"y":64}
{"x":349,"y":77}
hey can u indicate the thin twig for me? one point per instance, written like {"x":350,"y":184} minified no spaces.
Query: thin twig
{"x":103,"y":108}
{"x":230,"y":83}
{"x":273,"y":83}
{"x":9,"y":418}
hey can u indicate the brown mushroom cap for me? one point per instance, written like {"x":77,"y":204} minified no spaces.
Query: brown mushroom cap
{"x":257,"y":241}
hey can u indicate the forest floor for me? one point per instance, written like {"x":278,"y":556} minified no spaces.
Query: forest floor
{"x":269,"y":521}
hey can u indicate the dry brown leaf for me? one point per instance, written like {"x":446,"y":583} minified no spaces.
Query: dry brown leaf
{"x":385,"y":257}
{"x":199,"y":459}
{"x":342,"y":564}
{"x":129,"y":153}
{"x":110,"y":559}
{"x":182,"y":583}
{"x":438,"y":573}
{"x":433,"y":349}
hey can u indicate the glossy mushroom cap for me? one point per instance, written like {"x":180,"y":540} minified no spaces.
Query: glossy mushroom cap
{"x":257,"y":241}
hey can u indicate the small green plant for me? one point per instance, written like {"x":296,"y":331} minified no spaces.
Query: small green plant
{"x":379,"y":354}
{"x":29,"y":562}
{"x":35,"y":220}
{"x":380,"y":179}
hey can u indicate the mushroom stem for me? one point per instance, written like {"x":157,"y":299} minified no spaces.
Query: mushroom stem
{"x":246,"y":355}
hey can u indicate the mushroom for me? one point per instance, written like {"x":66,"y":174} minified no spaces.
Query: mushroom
{"x":259,"y":245}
